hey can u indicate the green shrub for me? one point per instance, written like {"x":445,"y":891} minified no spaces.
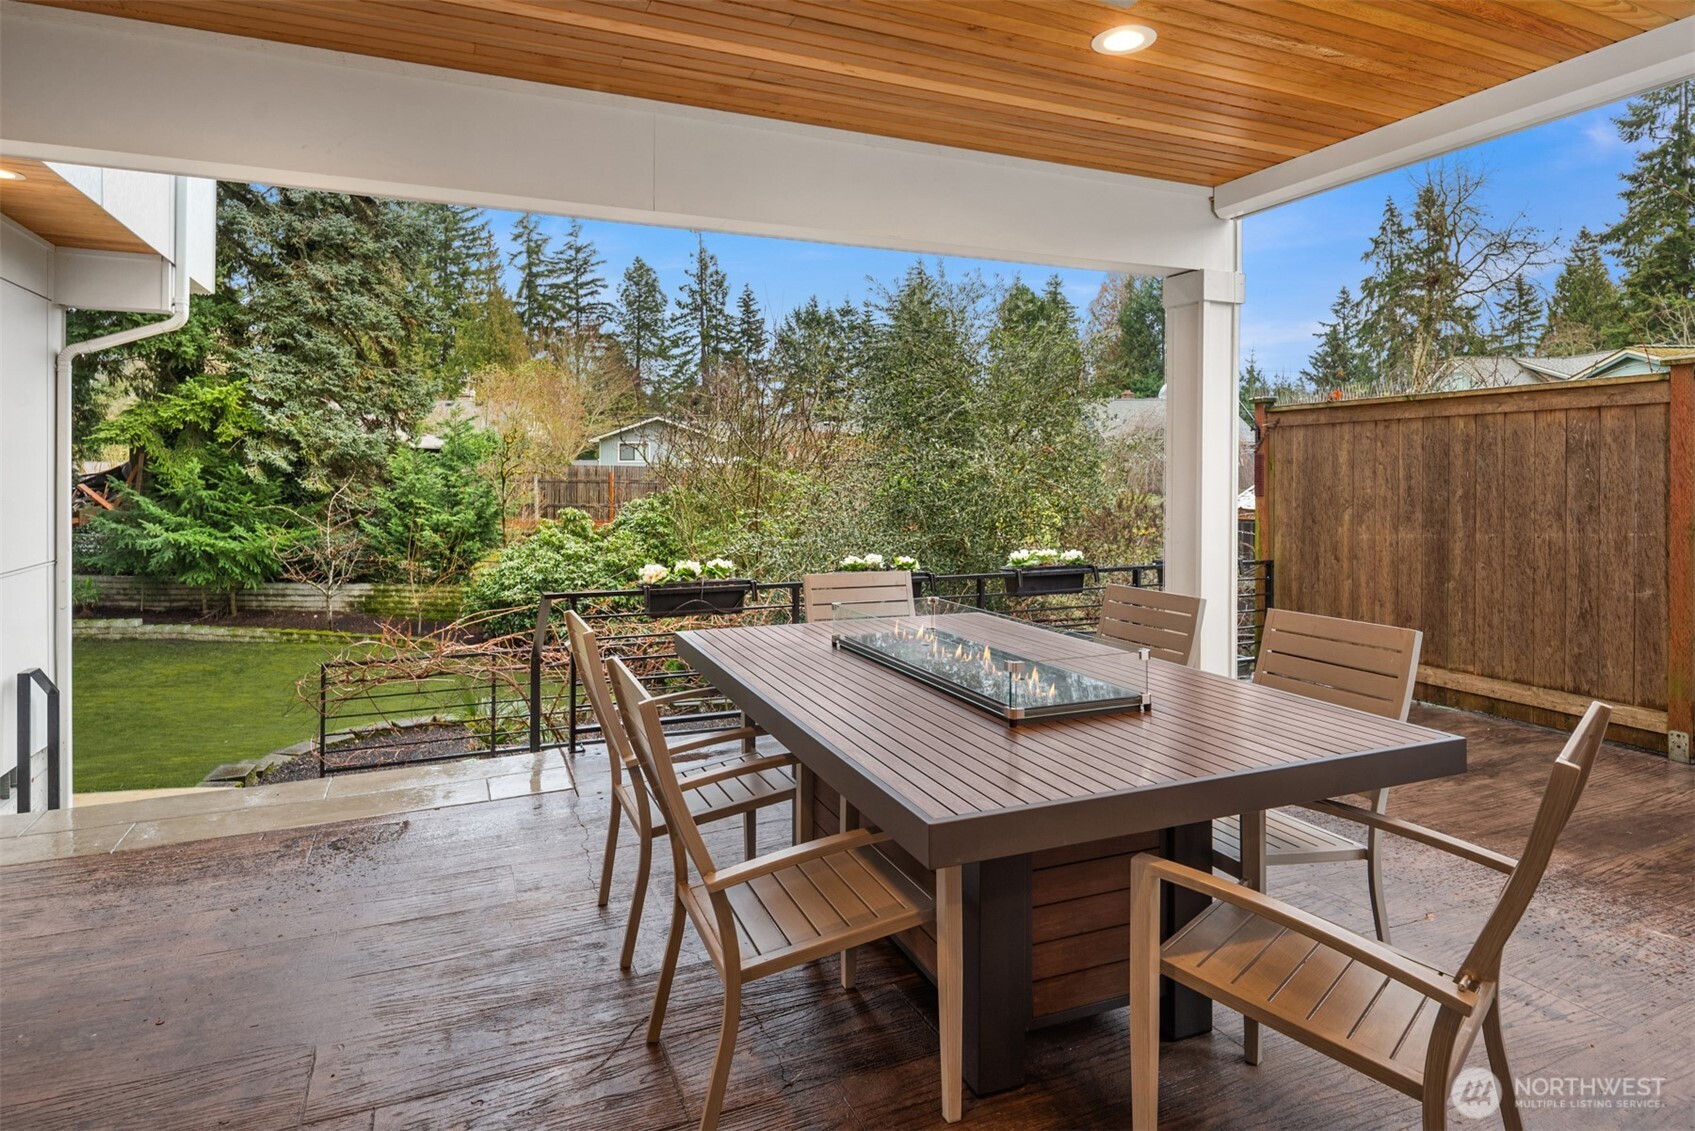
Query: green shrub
{"x":565,"y":554}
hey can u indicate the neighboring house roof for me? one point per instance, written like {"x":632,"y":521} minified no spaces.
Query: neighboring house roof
{"x":1493,"y":372}
{"x":667,"y":421}
{"x":1124,"y":414}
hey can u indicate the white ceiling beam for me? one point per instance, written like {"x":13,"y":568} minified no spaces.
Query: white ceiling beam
{"x":123,"y":94}
{"x":1621,"y":70}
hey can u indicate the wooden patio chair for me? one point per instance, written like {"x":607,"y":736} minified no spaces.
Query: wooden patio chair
{"x":721,"y":786}
{"x":877,"y":593}
{"x":769,"y":914}
{"x":1166,"y":624}
{"x":1362,"y":1003}
{"x":1369,"y":667}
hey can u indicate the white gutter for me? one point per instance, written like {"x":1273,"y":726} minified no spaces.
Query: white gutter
{"x":62,"y":428}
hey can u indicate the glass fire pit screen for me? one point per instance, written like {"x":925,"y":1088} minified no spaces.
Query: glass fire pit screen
{"x":986,"y":659}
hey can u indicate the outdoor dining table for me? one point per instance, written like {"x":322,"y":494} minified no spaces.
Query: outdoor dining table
{"x":1025,"y":833}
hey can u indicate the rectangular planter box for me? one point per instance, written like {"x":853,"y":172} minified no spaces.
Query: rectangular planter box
{"x":1038,"y":581}
{"x":697,"y":597}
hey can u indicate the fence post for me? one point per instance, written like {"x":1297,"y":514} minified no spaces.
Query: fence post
{"x":794,"y":603}
{"x":493,"y":705}
{"x":1680,"y":562}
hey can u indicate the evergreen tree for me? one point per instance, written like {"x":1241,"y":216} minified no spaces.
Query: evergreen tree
{"x":1585,"y":312}
{"x":820,"y":352}
{"x":1518,"y":318}
{"x":1654,"y":241}
{"x":708,"y":333}
{"x":643,"y":329}
{"x":574,"y":289}
{"x":1339,"y":360}
{"x":458,"y":245}
{"x":1388,"y":323}
{"x":333,"y":360}
{"x":1251,"y":384}
{"x":1126,"y":337}
{"x":534,"y":298}
{"x":750,"y":336}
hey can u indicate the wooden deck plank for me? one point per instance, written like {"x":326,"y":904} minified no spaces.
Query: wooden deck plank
{"x":499,"y":999}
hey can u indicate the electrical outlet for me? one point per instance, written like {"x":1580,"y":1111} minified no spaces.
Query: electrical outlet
{"x":1677,"y":746}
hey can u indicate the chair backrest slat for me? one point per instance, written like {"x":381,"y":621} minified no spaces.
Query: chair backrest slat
{"x":880,"y":593}
{"x":1166,"y":624}
{"x":1565,"y":788}
{"x":1369,"y":667}
{"x":653,"y":755}
{"x":591,"y":673}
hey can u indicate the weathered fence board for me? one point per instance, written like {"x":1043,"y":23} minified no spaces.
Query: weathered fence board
{"x":599,"y":491}
{"x":1526,"y":531}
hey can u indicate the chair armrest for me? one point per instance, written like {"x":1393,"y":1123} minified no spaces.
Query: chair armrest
{"x":1449,"y":844}
{"x":685,"y":695}
{"x":736,"y":770}
{"x":708,"y":740}
{"x":789,"y":857}
{"x":1374,"y":954}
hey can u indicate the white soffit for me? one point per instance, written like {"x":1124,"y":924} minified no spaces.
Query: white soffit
{"x":119,"y":93}
{"x":1621,"y":70}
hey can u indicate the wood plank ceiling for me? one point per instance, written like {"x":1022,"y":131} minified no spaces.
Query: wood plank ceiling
{"x":1230,"y":86}
{"x":59,"y":212}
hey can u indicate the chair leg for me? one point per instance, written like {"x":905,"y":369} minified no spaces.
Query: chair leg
{"x":1435,"y":1106}
{"x":750,"y":833}
{"x":1252,"y":828}
{"x":1497,"y":1046}
{"x":847,"y":818}
{"x":1374,"y":881}
{"x":644,"y":863}
{"x":611,"y":851}
{"x":726,"y":1050}
{"x":662,"y":994}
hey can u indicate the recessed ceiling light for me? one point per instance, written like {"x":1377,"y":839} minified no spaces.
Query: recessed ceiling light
{"x":1126,"y":39}
{"x":8,"y":175}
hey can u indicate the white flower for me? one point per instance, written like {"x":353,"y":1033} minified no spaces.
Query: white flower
{"x":1019,"y":557}
{"x":906,"y":561}
{"x":687,"y":568}
{"x":853,"y":561}
{"x":653,"y":573}
{"x":874,"y":561}
{"x":1071,"y":556}
{"x":720,"y":567}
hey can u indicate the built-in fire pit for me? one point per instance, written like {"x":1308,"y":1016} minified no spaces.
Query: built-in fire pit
{"x":943,"y":652}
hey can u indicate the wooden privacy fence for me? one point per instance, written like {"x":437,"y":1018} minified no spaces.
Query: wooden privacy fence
{"x":600,"y":491}
{"x":1541,"y":537}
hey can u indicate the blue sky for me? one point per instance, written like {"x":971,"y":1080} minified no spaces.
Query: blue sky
{"x":1562,"y":176}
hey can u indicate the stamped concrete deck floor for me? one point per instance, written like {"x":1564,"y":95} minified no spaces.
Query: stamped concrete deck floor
{"x":442,"y":964}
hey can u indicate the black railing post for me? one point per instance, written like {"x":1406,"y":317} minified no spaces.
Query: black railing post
{"x":26,"y":700}
{"x":323,"y":717}
{"x":1270,"y":585}
{"x":55,"y":771}
{"x":982,"y":594}
{"x":544,"y":618}
{"x":794,"y":604}
{"x":493,"y":705}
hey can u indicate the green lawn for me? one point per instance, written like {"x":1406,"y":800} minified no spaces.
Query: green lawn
{"x":151,"y":714}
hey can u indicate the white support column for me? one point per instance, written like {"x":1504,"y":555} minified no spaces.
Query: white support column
{"x":1201,"y":315}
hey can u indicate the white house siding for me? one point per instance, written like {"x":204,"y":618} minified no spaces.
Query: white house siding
{"x":31,"y":331}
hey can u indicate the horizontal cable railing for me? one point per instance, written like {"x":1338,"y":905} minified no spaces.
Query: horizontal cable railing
{"x":403,"y":710}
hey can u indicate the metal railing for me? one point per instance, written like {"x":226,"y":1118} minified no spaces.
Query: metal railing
{"x":19,"y":776}
{"x":448,"y":707}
